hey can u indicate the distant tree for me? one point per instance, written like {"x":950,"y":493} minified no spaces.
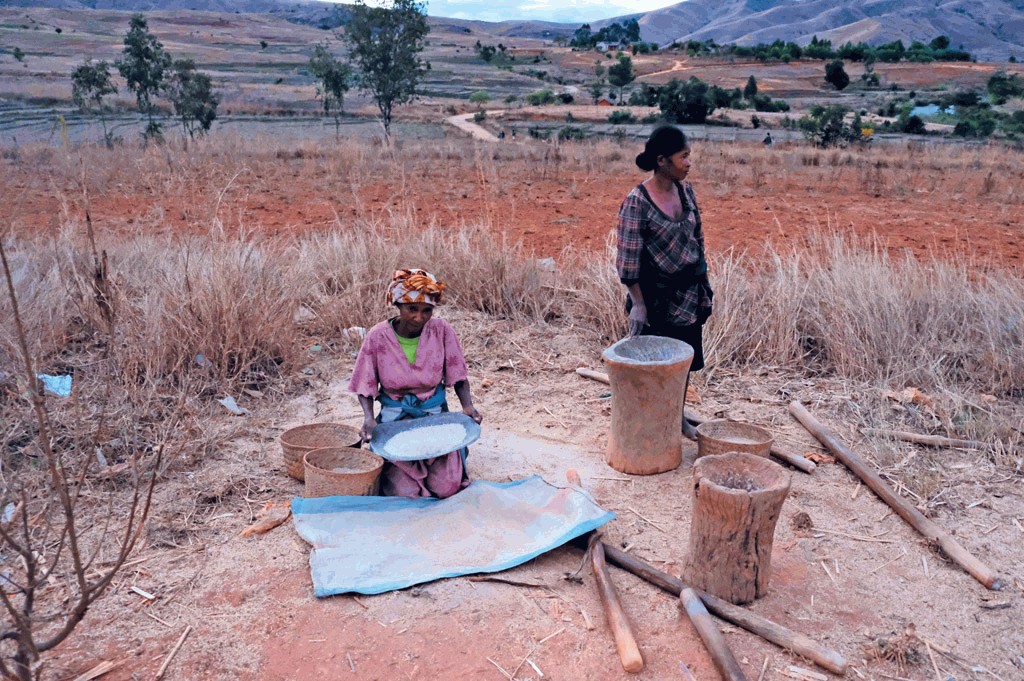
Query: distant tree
{"x":1002,"y":87}
{"x":332,"y":82}
{"x":90,"y":83}
{"x":596,"y":89}
{"x":827,"y":127}
{"x":750,"y":89}
{"x":836,"y":75}
{"x":912,"y":125}
{"x":541,"y":97}
{"x":18,"y":54}
{"x":480,"y":97}
{"x":685,"y":101}
{"x":385,"y":43}
{"x":264,"y":44}
{"x":582,"y":37}
{"x":191,"y":93}
{"x":620,"y":74}
{"x":940,"y":43}
{"x":144,"y":64}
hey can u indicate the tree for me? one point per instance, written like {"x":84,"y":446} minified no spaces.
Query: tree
{"x":826,"y":126}
{"x":620,"y":74}
{"x":192,"y":95}
{"x":582,"y":37}
{"x":596,"y":89}
{"x":18,"y":54}
{"x":836,"y":75}
{"x":385,"y":43}
{"x":685,"y":101}
{"x":90,"y":83}
{"x":750,"y":90}
{"x":333,"y":78}
{"x":144,"y":64}
{"x":480,"y":97}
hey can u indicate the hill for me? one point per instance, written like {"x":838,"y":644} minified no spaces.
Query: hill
{"x":992,"y":30}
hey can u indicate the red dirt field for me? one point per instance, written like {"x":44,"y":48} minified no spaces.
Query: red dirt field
{"x":552,"y":198}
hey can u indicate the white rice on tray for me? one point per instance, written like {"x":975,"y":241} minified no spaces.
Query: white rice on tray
{"x":419,"y":443}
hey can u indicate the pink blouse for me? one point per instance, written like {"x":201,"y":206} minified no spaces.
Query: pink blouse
{"x":382,"y":364}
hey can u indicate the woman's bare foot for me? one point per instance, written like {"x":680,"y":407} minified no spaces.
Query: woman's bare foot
{"x":689,"y":430}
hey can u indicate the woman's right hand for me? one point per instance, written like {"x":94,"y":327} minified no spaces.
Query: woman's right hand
{"x":637,"y":320}
{"x":366,"y":432}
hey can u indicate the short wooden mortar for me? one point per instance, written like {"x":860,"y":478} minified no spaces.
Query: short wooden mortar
{"x":737,"y":501}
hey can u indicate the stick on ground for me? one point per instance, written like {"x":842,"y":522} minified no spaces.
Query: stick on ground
{"x":930,"y":440}
{"x":741,"y":617}
{"x":713,"y":640}
{"x":905,"y":510}
{"x":174,"y":651}
{"x":622,"y":630}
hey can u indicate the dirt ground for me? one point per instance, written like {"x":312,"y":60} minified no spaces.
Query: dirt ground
{"x":249,"y":602}
{"x":253,"y":615}
{"x":550,"y":198}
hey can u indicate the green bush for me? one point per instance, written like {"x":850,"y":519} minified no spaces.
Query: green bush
{"x":978,"y":123}
{"x":541,"y":97}
{"x":685,"y":101}
{"x":827,"y":127}
{"x":571,"y":132}
{"x":619,"y":117}
{"x":480,"y":116}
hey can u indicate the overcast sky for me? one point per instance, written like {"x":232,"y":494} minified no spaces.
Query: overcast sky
{"x":567,"y":11}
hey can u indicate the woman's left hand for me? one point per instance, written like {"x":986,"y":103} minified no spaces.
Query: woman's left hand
{"x":472,"y":413}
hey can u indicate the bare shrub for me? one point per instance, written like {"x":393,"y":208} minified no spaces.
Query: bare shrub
{"x":54,"y":564}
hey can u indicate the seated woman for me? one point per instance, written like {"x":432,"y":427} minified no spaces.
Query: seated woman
{"x":406,"y":363}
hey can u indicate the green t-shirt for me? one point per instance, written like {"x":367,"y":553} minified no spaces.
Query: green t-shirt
{"x":409,"y":346}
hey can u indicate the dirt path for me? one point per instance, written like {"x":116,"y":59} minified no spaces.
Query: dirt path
{"x":465,"y":123}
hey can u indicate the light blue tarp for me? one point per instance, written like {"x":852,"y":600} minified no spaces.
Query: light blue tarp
{"x":370,"y":545}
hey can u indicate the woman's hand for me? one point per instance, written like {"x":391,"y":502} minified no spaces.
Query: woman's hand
{"x":472,"y":413}
{"x":366,"y":432}
{"x":637,"y":319}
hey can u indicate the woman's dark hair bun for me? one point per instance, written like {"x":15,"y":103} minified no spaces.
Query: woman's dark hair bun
{"x":664,"y":141}
{"x":646,"y":162}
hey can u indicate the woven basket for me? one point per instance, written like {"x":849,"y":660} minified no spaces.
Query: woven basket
{"x":722,"y":436}
{"x":297,"y":442}
{"x":361,"y":474}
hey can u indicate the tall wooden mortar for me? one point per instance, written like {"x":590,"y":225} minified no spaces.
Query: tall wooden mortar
{"x":648,"y":378}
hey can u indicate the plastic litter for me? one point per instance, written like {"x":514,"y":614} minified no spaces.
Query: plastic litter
{"x":232,"y":406}
{"x":57,"y":385}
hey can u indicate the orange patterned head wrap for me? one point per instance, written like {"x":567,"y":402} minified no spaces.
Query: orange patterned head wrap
{"x":414,"y":286}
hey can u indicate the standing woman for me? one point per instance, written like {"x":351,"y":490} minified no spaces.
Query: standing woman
{"x":660,"y":256}
{"x":406,"y":363}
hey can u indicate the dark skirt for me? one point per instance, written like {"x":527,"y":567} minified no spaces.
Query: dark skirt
{"x":692,"y":335}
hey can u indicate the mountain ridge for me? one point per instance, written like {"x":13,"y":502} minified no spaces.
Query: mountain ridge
{"x":991,"y":30}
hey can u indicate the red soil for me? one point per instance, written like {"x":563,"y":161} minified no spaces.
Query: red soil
{"x":927,"y":212}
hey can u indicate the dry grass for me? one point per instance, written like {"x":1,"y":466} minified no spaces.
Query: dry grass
{"x":251,"y":303}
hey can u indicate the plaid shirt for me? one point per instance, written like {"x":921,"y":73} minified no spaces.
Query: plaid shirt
{"x":664,"y":256}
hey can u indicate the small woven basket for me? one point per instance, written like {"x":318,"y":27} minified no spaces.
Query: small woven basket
{"x":722,"y":436}
{"x":299,"y":441}
{"x":342,"y":471}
